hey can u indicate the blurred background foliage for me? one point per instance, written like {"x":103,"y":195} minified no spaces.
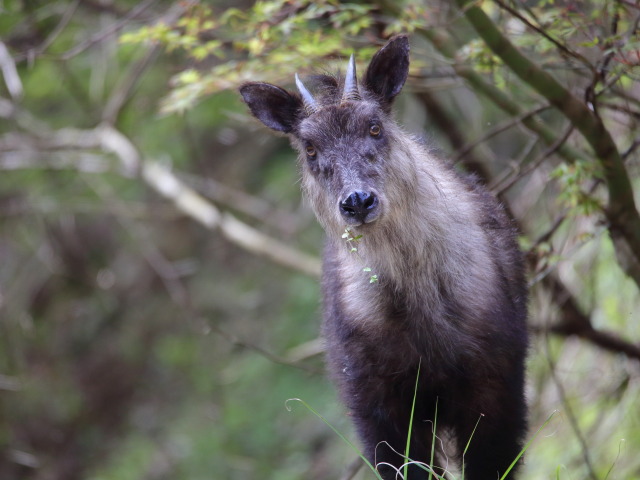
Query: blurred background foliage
{"x":158,"y":292}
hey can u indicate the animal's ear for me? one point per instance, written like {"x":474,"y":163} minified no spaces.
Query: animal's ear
{"x":389,"y":69}
{"x":273,"y":106}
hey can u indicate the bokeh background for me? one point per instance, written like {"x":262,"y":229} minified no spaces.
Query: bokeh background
{"x":159,"y":300}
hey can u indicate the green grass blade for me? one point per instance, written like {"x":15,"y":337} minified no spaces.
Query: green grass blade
{"x":433,"y":439}
{"x":413,"y":407}
{"x":527,"y":445}
{"x":336,"y":431}
{"x":469,"y":442}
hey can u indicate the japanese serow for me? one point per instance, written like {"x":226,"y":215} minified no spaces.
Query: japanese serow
{"x":441,"y":328}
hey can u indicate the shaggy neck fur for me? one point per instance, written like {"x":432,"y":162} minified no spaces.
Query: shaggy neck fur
{"x":428,"y":243}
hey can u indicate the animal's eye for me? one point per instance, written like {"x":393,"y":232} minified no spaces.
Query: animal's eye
{"x":311,"y":151}
{"x":374,"y":130}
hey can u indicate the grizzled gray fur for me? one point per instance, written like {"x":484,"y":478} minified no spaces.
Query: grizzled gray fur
{"x":449,"y":305}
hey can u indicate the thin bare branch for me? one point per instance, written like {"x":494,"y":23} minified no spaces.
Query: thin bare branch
{"x":515,"y":167}
{"x":442,"y":119}
{"x":10,"y":73}
{"x":448,"y":47}
{"x":164,"y":182}
{"x":498,"y":129}
{"x":632,"y":148}
{"x":575,"y":323}
{"x":240,"y":201}
{"x":32,"y":53}
{"x":64,"y":160}
{"x":499,"y":189}
{"x":568,"y":409}
{"x":163,"y":268}
{"x":234,"y":340}
{"x":621,"y":211}
{"x":122,"y":92}
{"x":542,"y":32}
{"x":161,"y":179}
{"x":109,"y":31}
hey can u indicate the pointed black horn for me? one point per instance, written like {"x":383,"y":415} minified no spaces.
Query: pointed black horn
{"x":351,"y":83}
{"x":310,"y":104}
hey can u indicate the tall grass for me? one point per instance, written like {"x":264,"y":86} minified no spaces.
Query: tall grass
{"x":408,"y":462}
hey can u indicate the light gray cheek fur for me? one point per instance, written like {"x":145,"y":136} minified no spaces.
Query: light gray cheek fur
{"x":320,"y":202}
{"x":324,"y":203}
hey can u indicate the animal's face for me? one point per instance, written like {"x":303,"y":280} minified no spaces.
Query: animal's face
{"x":343,"y":152}
{"x":344,"y":136}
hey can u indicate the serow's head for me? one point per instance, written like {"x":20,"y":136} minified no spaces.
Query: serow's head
{"x":343,"y":133}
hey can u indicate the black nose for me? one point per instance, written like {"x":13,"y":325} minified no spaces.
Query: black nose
{"x":359,"y":206}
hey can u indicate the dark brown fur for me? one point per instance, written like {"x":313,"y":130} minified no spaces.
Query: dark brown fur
{"x":450,"y":300}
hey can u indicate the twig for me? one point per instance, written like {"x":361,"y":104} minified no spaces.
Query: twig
{"x":163,"y":268}
{"x":534,"y":164}
{"x":122,"y":92}
{"x":240,"y":201}
{"x":443,"y":42}
{"x":498,"y":129}
{"x":189,"y":202}
{"x":65,"y":160}
{"x":515,"y":166}
{"x":542,"y":32}
{"x":621,"y":212}
{"x":569,"y":411}
{"x":107,"y":32}
{"x":575,"y":323}
{"x":608,"y":341}
{"x":62,"y":24}
{"x":164,"y":182}
{"x":10,"y":73}
{"x":195,"y":206}
{"x":546,"y":236}
{"x":234,"y":340}
{"x":450,"y":128}
{"x":632,"y":148}
{"x":621,"y":108}
{"x":543,"y":273}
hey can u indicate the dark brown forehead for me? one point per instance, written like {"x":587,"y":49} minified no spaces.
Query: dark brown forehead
{"x":339,"y":120}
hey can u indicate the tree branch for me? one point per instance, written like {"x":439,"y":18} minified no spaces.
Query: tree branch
{"x":575,"y":323}
{"x":110,"y":30}
{"x":568,"y":408}
{"x":192,"y":204}
{"x":540,"y":31}
{"x":240,"y":201}
{"x":10,"y":73}
{"x":497,"y":130}
{"x":447,"y":47}
{"x":621,"y":212}
{"x":449,"y":127}
{"x":163,"y":181}
{"x":31,"y":53}
{"x":500,"y":188}
{"x":122,"y":92}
